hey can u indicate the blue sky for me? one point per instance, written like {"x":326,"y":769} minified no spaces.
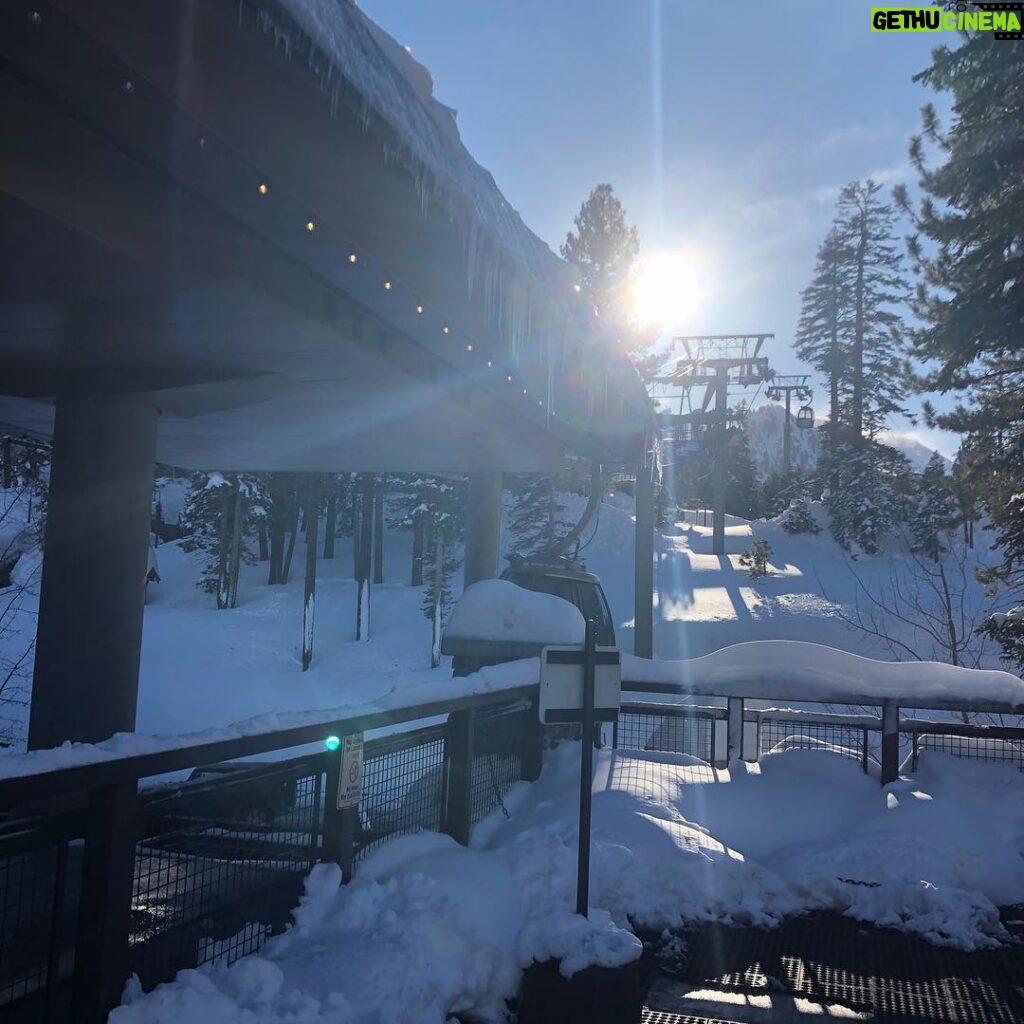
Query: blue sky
{"x":766,"y":109}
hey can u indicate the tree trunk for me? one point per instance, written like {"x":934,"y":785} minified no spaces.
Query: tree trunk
{"x":438,"y":572}
{"x":309,"y":593}
{"x":378,"y":530}
{"x":235,"y":562}
{"x":286,"y":567}
{"x":331,"y":525}
{"x":364,"y":559}
{"x":417,"y":552}
{"x":262,"y":534}
{"x":223,"y":548}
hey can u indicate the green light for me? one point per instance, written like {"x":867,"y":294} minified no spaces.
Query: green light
{"x":332,"y":743}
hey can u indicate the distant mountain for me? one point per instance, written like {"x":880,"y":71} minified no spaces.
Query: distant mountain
{"x":766,"y":430}
{"x":915,"y":451}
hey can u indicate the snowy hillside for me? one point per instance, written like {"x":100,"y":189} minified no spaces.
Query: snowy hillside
{"x":765,"y":432}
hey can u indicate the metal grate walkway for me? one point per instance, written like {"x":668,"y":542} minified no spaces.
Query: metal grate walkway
{"x":881,"y":975}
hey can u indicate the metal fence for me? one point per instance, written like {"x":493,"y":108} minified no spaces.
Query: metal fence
{"x":789,"y":733}
{"x":216,"y":864}
{"x":668,"y":728}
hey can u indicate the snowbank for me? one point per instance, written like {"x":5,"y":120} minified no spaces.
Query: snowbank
{"x":497,"y":610}
{"x":429,"y":929}
{"x":795,"y":670}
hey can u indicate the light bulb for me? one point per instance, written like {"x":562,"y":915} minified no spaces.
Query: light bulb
{"x":263,"y":190}
{"x":352,"y":257}
{"x":419,"y":307}
{"x":310,"y":225}
{"x":469,"y":348}
{"x":387,"y":286}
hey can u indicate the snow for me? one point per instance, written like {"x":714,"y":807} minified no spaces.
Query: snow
{"x":428,"y":929}
{"x":491,"y":679}
{"x":797,"y":670}
{"x":498,"y":610}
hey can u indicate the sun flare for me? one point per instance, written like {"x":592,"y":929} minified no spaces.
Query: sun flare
{"x":666,"y":289}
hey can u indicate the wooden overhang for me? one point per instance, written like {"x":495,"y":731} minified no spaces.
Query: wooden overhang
{"x":141,"y":256}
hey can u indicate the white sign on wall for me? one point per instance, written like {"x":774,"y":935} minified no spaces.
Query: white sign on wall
{"x":350,"y":782}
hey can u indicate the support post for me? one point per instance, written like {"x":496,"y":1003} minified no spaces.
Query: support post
{"x":364,"y":559}
{"x":787,"y":438}
{"x":531,"y":754}
{"x":85,"y":685}
{"x":378,"y":530}
{"x":309,"y":590}
{"x":586,"y":773}
{"x":459,"y":751}
{"x":721,"y":459}
{"x":104,"y":917}
{"x":734,"y":731}
{"x":483,"y":527}
{"x":643,"y":561}
{"x":890,"y":742}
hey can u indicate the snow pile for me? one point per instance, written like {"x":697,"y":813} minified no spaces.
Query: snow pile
{"x":497,"y":610}
{"x":797,"y":670}
{"x":429,"y":929}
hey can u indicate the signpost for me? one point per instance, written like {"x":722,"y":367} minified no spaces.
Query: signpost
{"x":581,"y":686}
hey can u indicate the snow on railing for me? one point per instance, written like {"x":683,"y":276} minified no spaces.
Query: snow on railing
{"x":796,"y":670}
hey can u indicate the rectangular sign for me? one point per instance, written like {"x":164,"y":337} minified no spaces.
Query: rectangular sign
{"x":561,"y":685}
{"x":350,"y":782}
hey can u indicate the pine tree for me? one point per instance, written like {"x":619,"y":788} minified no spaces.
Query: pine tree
{"x":218,"y":524}
{"x":934,"y":512}
{"x":603,"y":248}
{"x":968,"y":250}
{"x":742,"y":492}
{"x":869,"y":503}
{"x":436,"y":506}
{"x":876,"y":371}
{"x":826,"y":320}
{"x":798,"y":519}
{"x":537,"y":518}
{"x":755,"y":559}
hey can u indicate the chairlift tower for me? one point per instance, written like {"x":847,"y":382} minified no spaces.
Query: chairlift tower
{"x":783,"y":388}
{"x":718,"y":362}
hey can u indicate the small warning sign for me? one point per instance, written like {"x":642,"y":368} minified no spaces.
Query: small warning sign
{"x":350,"y":782}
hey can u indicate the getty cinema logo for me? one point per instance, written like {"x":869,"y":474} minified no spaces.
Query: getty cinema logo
{"x":1002,"y":19}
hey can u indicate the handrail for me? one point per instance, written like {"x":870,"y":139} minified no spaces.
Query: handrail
{"x":109,"y":770}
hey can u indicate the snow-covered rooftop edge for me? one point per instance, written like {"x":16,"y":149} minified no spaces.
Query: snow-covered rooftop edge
{"x":796,"y":670}
{"x":490,"y":680}
{"x":397,"y":89}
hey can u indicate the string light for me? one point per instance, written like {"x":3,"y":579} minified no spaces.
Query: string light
{"x":489,"y":363}
{"x":263,"y":190}
{"x":509,"y":378}
{"x":35,"y":18}
{"x":311,"y":226}
{"x":387,"y":286}
{"x":524,"y":391}
{"x":445,"y":329}
{"x":128,"y":87}
{"x":419,"y":307}
{"x":469,"y":348}
{"x":352,"y":257}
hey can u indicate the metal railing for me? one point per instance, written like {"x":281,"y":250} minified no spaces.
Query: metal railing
{"x":99,"y":879}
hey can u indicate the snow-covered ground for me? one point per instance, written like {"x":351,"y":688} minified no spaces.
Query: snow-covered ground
{"x":428,"y":928}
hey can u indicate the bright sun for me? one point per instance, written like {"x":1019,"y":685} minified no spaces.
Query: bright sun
{"x":665,"y":289}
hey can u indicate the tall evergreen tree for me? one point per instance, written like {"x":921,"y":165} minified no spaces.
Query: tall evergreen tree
{"x":968,"y":250}
{"x":603,"y":248}
{"x":876,"y":373}
{"x":826,"y":318}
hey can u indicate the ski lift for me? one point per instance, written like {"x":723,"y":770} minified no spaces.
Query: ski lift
{"x":805,"y":417}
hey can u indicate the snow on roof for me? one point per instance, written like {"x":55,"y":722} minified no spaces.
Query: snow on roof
{"x":399,"y":90}
{"x":795,"y":670}
{"x":501,"y":611}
